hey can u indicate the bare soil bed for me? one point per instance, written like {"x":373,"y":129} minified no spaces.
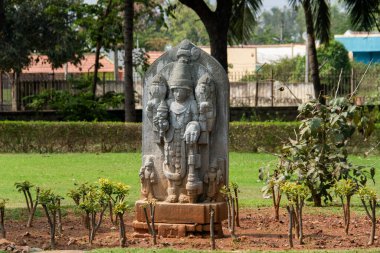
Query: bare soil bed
{"x":258,"y":231}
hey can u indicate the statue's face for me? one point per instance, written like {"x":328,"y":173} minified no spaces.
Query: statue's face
{"x":204,"y":88}
{"x":180,"y":94}
{"x":155,"y":89}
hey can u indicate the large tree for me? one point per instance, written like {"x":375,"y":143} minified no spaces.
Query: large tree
{"x":37,"y":26}
{"x":231,"y":21}
{"x":102,"y":25}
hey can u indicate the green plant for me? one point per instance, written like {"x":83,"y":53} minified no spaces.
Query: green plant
{"x":345,"y":189}
{"x":273,"y":188}
{"x":2,"y":214}
{"x":235,"y":187}
{"x":229,"y":198}
{"x":368,"y":198}
{"x":25,"y":188}
{"x":95,"y":203}
{"x":78,"y":195}
{"x":151,"y":203}
{"x":116,"y":193}
{"x":78,"y":104}
{"x":318,"y":155}
{"x":51,"y":205}
{"x":296,"y":195}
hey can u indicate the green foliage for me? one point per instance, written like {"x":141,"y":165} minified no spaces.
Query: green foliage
{"x":295,"y":192}
{"x":318,"y":156}
{"x":345,"y":188}
{"x":365,"y":193}
{"x":333,"y":57}
{"x":94,"y":201}
{"x":278,"y":26}
{"x":42,"y":26}
{"x":23,"y":186}
{"x":48,"y":137}
{"x":78,"y":105}
{"x":3,"y":202}
{"x":50,"y":199}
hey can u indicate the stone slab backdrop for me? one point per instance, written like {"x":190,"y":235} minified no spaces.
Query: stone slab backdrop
{"x":185,"y":136}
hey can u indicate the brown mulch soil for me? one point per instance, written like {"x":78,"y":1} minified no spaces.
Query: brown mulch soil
{"x":258,"y":231}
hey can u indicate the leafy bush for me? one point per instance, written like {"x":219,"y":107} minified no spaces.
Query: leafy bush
{"x":76,"y":105}
{"x":318,"y":155}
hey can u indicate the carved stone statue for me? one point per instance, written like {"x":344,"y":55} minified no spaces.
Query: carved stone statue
{"x":147,"y":176}
{"x":185,"y":127}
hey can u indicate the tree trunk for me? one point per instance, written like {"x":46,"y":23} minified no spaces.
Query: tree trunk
{"x":96,"y":67}
{"x":312,"y":51}
{"x":31,"y":214}
{"x":123,"y":238}
{"x":300,"y":222}
{"x":212,"y":229}
{"x":317,"y":199}
{"x":2,"y":227}
{"x":130,"y":110}
{"x":152,"y":213}
{"x":373,"y":222}
{"x":237,"y":216}
{"x":290,"y":228}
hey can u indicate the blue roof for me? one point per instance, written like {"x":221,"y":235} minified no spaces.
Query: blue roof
{"x":360,"y":44}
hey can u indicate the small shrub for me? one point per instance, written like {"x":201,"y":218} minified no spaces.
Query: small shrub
{"x":369,"y":201}
{"x":345,"y":189}
{"x":296,"y":195}
{"x":51,"y":205}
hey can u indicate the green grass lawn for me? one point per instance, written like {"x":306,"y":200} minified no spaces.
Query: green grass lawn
{"x":60,"y":171}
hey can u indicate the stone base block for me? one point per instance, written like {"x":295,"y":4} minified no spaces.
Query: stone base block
{"x":175,"y":219}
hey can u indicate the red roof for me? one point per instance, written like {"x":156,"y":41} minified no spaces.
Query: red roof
{"x":86,"y":65}
{"x":153,"y":55}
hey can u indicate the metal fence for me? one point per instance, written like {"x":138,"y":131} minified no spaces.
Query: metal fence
{"x":246,"y":89}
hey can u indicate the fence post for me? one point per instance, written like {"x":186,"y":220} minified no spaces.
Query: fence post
{"x":272,"y":88}
{"x":257,"y":91}
{"x":104,"y":83}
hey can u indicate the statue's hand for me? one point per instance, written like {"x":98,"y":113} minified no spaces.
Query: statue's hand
{"x":204,"y":107}
{"x":192,"y":132}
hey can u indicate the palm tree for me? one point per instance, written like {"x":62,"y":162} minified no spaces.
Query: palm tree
{"x":231,"y":21}
{"x":317,"y":18}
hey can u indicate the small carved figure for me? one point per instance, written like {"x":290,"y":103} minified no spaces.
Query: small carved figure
{"x":214,"y":178}
{"x":147,"y":178}
{"x":157,"y":94}
{"x":205,"y":95}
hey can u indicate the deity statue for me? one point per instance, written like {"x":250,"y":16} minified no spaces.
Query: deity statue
{"x":184,"y":141}
{"x":181,"y":107}
{"x":147,"y":178}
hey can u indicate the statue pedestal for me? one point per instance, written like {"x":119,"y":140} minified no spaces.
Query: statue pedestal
{"x":178,"y":219}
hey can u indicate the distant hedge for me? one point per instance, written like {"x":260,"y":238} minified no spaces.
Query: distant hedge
{"x":50,"y":137}
{"x":60,"y":137}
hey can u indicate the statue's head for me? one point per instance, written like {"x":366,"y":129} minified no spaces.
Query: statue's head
{"x":204,"y":84}
{"x":158,"y":87}
{"x":180,"y":94}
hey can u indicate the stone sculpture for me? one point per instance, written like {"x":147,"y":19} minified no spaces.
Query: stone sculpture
{"x":185,"y":123}
{"x":147,"y":176}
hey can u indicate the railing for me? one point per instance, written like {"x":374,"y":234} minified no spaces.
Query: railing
{"x":246,"y":89}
